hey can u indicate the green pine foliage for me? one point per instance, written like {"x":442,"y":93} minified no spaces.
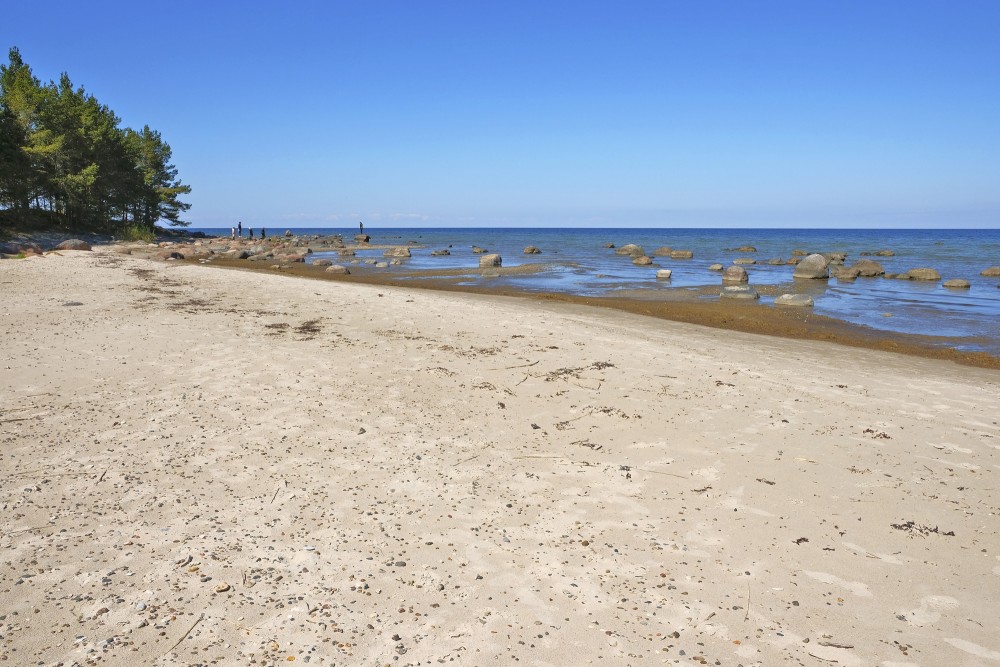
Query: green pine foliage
{"x":65,"y":160}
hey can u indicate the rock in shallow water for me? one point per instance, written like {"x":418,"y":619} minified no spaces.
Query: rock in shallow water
{"x":742,"y":292}
{"x":801,"y":300}
{"x":957,"y":283}
{"x":813,"y":267}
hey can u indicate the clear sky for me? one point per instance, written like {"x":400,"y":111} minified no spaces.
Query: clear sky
{"x":839,"y":113}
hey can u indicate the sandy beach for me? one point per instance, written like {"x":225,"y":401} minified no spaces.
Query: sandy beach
{"x":204,"y":466}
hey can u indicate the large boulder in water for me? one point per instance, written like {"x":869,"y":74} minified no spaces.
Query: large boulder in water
{"x":630,"y":249}
{"x":532,"y":250}
{"x":493,"y":259}
{"x":663,"y":274}
{"x":992,"y":272}
{"x":868,"y":268}
{"x":735,"y":274}
{"x":663,"y":251}
{"x":930,"y":275}
{"x":642,"y":260}
{"x":813,"y":267}
{"x":957,"y":283}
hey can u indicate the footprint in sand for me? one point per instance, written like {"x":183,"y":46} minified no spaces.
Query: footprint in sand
{"x":974,"y":649}
{"x":855,"y":587}
{"x":929,"y":610}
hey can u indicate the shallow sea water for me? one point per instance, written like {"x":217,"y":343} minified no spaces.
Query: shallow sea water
{"x":576,"y":262}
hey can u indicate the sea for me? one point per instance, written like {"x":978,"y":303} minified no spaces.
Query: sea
{"x":577,"y":261}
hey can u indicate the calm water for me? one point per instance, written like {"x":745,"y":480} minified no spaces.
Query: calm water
{"x":578,"y":263}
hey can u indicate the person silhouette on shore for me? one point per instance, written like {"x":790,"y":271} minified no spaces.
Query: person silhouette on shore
{"x":239,"y":228}
{"x":251,"y":232}
{"x":361,"y":226}
{"x":263,"y":233}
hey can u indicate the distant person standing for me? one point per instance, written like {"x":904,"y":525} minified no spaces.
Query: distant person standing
{"x":361,"y":226}
{"x":239,"y":228}
{"x":232,"y":233}
{"x":251,"y":232}
{"x":263,"y":233}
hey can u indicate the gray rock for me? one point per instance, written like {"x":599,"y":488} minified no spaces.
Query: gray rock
{"x":716,"y":267}
{"x":798,"y":300}
{"x":924,"y":274}
{"x":663,"y":251}
{"x":957,"y":283}
{"x":73,"y":244}
{"x":642,"y":260}
{"x":744,"y":260}
{"x":799,"y":253}
{"x":339,"y":269}
{"x":478,"y":251}
{"x":346,"y":252}
{"x":992,"y":272}
{"x":323,"y":262}
{"x":397,"y":252}
{"x":776,"y":261}
{"x":735,"y":274}
{"x":681,"y":254}
{"x":741,"y":292}
{"x":532,"y":250}
{"x":362,"y":238}
{"x":813,"y":267}
{"x":288,"y":233}
{"x":493,"y":259}
{"x":663,"y":274}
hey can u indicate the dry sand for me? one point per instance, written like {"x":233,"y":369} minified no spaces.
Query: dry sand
{"x":220,"y":467}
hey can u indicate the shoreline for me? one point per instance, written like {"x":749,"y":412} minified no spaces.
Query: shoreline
{"x":245,"y":468}
{"x":788,"y":323}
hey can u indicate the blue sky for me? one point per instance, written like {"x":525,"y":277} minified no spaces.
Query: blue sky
{"x":465,"y":113}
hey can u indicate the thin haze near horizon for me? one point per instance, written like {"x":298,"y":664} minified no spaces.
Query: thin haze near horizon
{"x":561,"y":114}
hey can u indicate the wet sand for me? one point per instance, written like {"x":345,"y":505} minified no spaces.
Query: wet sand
{"x":241,"y":467}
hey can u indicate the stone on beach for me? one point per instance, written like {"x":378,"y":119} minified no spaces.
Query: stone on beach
{"x":735,"y":274}
{"x":799,"y":300}
{"x":323,"y":262}
{"x":813,"y":267}
{"x":73,"y":244}
{"x":924,"y":274}
{"x":957,"y":283}
{"x":492,"y":259}
{"x":741,"y":292}
{"x":338,"y":269}
{"x":400,"y":251}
